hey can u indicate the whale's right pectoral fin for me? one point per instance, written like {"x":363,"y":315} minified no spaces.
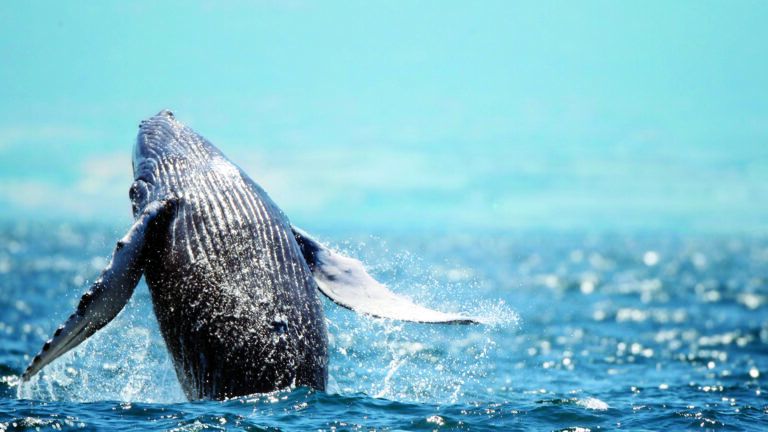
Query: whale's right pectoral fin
{"x":345,"y":281}
{"x":111,"y":291}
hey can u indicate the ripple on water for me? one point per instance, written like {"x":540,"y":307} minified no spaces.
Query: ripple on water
{"x":588,"y":332}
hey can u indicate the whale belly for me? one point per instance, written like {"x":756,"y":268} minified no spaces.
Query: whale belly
{"x":235,"y":300}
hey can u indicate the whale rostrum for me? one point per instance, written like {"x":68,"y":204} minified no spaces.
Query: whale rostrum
{"x":233,"y":284}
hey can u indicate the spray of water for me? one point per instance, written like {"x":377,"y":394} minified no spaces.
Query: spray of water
{"x":127,"y":361}
{"x":409,"y":361}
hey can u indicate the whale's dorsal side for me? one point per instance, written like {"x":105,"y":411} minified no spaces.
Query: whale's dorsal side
{"x":110,"y":292}
{"x":345,"y":281}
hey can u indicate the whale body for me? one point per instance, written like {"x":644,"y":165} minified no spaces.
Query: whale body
{"x":234,"y":285}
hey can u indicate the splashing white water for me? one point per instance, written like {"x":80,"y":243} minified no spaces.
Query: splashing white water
{"x":126,"y":361}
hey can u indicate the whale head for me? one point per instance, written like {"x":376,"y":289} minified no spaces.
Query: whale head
{"x":167,"y":156}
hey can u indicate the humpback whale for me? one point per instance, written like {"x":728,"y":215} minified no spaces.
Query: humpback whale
{"x":234,"y":285}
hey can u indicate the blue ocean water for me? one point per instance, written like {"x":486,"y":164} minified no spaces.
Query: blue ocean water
{"x":586,"y":332}
{"x":467,"y":149}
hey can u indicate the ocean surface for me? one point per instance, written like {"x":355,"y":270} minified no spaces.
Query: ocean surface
{"x":644,"y":331}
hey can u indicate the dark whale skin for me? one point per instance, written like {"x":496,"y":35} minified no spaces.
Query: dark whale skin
{"x":236,"y":302}
{"x":234,"y":285}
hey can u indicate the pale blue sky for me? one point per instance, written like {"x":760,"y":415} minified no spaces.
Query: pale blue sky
{"x":504,"y":115}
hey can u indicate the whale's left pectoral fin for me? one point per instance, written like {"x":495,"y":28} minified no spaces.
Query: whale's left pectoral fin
{"x":345,"y":281}
{"x":109,"y":294}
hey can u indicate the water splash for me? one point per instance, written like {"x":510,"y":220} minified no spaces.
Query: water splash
{"x":416,"y":362}
{"x":126,"y":361}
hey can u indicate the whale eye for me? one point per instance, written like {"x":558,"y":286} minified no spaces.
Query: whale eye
{"x":138,"y":193}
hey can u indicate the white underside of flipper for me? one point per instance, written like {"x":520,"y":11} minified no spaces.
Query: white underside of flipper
{"x":345,"y":281}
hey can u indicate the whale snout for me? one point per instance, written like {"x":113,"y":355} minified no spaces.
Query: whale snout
{"x":164,"y":116}
{"x":163,"y":144}
{"x":156,"y":135}
{"x":156,"y":138}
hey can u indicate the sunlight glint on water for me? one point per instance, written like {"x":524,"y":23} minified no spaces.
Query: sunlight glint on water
{"x":586,"y":331}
